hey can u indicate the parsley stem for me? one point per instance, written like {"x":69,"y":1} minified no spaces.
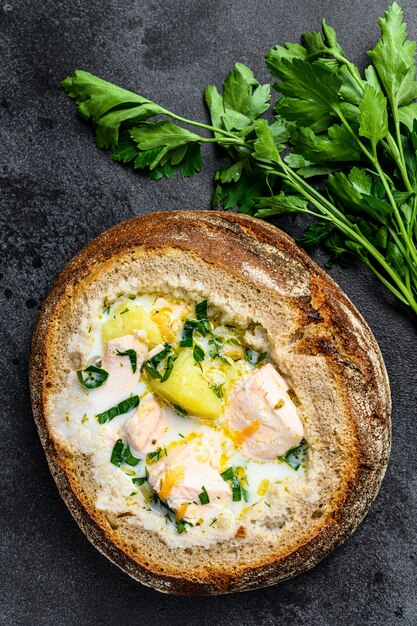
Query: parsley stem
{"x":212,"y":129}
{"x":224,"y":140}
{"x":409,"y":244}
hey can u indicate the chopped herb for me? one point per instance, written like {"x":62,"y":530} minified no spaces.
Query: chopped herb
{"x":218,"y":390}
{"x":92,"y":376}
{"x":134,"y":493}
{"x":267,"y":504}
{"x":119,"y":409}
{"x":132,"y":357}
{"x":181,"y":435}
{"x":235,"y":481}
{"x":181,"y":525}
{"x":155,"y":455}
{"x":228,"y":474}
{"x":203,"y":327}
{"x":170,"y":364}
{"x":125,"y":311}
{"x":186,"y":340}
{"x":121,"y":452}
{"x":106,"y":309}
{"x":139,"y":480}
{"x":255,"y":358}
{"x":116,"y":454}
{"x":245,"y":494}
{"x":179,"y":410}
{"x":151,"y":365}
{"x":152,"y":371}
{"x":204,"y":497}
{"x":233,"y":340}
{"x":89,"y":329}
{"x":198,"y":354}
{"x":213,"y":521}
{"x":128,"y":456}
{"x":295,"y":456}
{"x":236,"y":489}
{"x":201,"y":310}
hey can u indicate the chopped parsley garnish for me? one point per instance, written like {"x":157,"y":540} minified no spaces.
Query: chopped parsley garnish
{"x":170,"y":364}
{"x":201,"y":310}
{"x":151,"y":366}
{"x":236,"y":483}
{"x":236,"y":489}
{"x":255,"y":358}
{"x":128,"y":456}
{"x":124,"y":311}
{"x":92,"y":376}
{"x":181,"y":525}
{"x":119,"y":409}
{"x":152,"y":371}
{"x":107,"y":307}
{"x":155,"y":455}
{"x":213,"y":521}
{"x":186,"y":340}
{"x":218,"y":390}
{"x":201,"y":325}
{"x":198,"y":354}
{"x":121,"y":453}
{"x":116,"y":454}
{"x":228,"y":474}
{"x":139,"y":480}
{"x":295,"y":456}
{"x":203,"y":496}
{"x":132,"y":357}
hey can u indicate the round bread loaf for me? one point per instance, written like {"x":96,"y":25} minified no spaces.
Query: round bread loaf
{"x":256,"y":276}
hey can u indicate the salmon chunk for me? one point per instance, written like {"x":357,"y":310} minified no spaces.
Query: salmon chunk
{"x":262,"y":417}
{"x":146,"y":426}
{"x":187,"y":471}
{"x":121,"y":375}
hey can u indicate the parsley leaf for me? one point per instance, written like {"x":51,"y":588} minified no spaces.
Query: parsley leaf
{"x":123,"y":407}
{"x":92,"y":376}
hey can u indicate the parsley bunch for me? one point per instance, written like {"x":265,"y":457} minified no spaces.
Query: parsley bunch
{"x":354,"y":135}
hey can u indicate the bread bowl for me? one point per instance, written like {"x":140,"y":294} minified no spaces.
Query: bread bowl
{"x":262,"y":288}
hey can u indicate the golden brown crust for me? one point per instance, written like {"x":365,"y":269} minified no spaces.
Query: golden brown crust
{"x":327,"y":324}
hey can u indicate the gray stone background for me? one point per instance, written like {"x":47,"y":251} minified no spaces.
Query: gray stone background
{"x":57,"y":192}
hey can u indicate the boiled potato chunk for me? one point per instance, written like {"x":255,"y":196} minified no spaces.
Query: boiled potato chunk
{"x":187,"y":387}
{"x":124,"y":322}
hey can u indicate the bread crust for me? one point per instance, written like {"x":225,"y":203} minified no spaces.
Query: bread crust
{"x":249,"y":249}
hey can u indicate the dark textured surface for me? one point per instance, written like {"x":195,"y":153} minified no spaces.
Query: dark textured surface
{"x":58,"y":191}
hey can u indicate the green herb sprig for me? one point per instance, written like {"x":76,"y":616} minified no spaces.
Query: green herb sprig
{"x":92,"y":376}
{"x":295,"y":456}
{"x":121,"y":453}
{"x":133,"y":358}
{"x":123,"y":407}
{"x":355,"y":134}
